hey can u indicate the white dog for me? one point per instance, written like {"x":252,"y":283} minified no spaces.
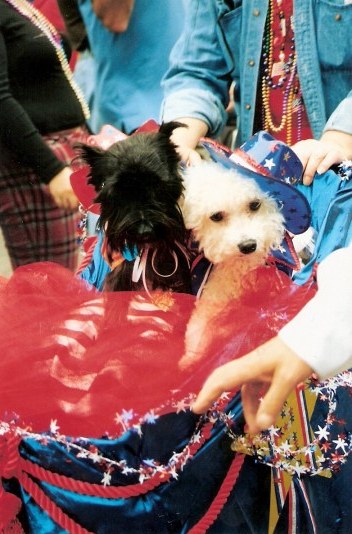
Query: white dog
{"x":235,"y":224}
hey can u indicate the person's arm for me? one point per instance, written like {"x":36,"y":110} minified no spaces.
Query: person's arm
{"x":321,"y":333}
{"x":114,"y":14}
{"x":334,"y":146}
{"x":318,"y":339}
{"x":20,"y":136}
{"x":196,"y":85}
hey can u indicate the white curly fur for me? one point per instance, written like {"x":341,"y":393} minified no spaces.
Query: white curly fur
{"x":209,"y":190}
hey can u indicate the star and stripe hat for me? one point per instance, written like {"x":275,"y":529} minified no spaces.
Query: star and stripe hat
{"x":276,"y":169}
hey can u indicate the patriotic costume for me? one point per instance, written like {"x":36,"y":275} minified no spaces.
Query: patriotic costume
{"x":97,"y":434}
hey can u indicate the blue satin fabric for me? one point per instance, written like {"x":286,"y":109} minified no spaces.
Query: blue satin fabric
{"x":169,"y":508}
{"x":331,"y":201}
{"x":97,"y":270}
{"x":177,"y":505}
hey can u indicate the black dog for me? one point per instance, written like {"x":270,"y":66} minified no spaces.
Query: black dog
{"x":138,"y":185}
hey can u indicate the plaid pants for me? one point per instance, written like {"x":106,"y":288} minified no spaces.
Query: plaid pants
{"x":34,"y":228}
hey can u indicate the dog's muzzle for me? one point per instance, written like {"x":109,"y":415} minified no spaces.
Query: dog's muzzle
{"x":145,"y":232}
{"x":248,"y":246}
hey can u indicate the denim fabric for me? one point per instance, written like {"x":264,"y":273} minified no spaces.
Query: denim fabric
{"x":222,"y":42}
{"x":130,"y":65}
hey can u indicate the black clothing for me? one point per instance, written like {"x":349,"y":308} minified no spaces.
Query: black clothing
{"x":74,"y":24}
{"x":35,"y":95}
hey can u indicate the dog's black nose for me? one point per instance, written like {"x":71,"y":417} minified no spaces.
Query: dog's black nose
{"x":248,"y":246}
{"x":145,"y":230}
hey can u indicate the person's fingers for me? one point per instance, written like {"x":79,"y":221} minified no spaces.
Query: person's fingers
{"x":318,"y":159}
{"x":193,"y":158}
{"x":215,"y":385}
{"x":272,"y":403}
{"x":308,"y":178}
{"x":283,"y":383}
{"x":73,"y":201}
{"x":330,"y":159}
{"x":254,"y":366}
{"x":312,"y":165}
{"x":251,"y":398}
{"x":67,"y":201}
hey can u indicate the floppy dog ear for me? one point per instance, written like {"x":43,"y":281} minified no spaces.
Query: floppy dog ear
{"x":167,"y":128}
{"x":167,"y":147}
{"x":101,"y":162}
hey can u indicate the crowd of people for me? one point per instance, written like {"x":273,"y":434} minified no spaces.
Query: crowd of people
{"x":287,"y":67}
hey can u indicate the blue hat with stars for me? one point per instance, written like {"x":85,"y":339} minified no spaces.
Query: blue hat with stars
{"x":276,"y":169}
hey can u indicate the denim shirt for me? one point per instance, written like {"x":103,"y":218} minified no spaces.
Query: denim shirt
{"x":222,"y":42}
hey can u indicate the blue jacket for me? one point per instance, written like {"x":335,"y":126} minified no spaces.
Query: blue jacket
{"x":130,"y":65}
{"x":221,"y":44}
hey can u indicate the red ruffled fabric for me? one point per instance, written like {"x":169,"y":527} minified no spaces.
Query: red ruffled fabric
{"x":79,"y":357}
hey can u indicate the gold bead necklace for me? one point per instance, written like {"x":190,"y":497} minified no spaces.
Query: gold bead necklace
{"x":268,"y":85}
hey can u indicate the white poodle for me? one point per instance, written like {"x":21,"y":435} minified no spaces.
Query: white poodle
{"x":235,"y":224}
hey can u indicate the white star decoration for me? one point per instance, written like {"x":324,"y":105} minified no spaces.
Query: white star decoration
{"x":95,"y":457}
{"x":54,"y":426}
{"x":322,"y":433}
{"x":299,"y":469}
{"x":340,"y":444}
{"x":197,"y":437}
{"x":269,"y":163}
{"x":269,"y":447}
{"x":285,"y":447}
{"x":182,"y":406}
{"x":106,"y":480}
{"x":273,"y":431}
{"x":174,"y":473}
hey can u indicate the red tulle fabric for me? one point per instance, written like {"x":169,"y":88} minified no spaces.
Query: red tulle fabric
{"x":79,"y":357}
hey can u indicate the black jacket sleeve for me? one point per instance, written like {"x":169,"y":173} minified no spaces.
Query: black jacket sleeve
{"x":18,"y":133}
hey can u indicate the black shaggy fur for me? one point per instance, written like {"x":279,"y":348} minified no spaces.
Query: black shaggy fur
{"x":138,"y":185}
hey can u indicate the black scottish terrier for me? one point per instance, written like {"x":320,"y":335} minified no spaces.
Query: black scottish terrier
{"x":138,"y":185}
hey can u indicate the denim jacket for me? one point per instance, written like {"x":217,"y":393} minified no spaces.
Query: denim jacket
{"x":222,"y":42}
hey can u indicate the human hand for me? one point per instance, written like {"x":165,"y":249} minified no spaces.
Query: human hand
{"x":61,"y":190}
{"x":189,"y":155}
{"x":186,"y":139}
{"x":273,"y":364}
{"x":319,"y":156}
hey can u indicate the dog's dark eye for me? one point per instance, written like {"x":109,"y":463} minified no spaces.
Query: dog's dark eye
{"x":255,"y":205}
{"x":217,"y":217}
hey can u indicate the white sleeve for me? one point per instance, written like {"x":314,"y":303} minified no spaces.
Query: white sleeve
{"x":321,"y":333}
